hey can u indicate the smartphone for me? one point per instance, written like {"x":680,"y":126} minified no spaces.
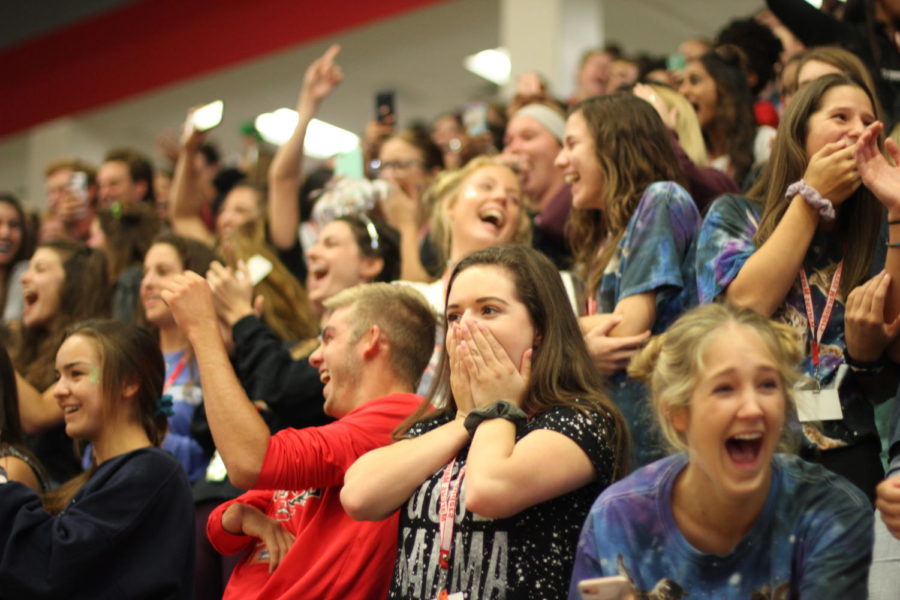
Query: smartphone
{"x":385,"y":112}
{"x":259,"y":267}
{"x":78,"y":184}
{"x":616,"y":587}
{"x":475,"y":118}
{"x":208,"y":116}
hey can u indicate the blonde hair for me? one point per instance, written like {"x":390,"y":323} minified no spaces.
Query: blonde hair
{"x":687,"y":126}
{"x":441,"y":196}
{"x":672,"y":363}
{"x":404,"y":316}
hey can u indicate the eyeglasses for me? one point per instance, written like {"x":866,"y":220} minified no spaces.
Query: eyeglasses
{"x":400,"y":165}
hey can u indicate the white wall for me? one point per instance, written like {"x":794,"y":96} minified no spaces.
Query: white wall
{"x":418,"y":54}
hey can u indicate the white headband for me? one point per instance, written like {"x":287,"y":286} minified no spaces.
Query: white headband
{"x":549,"y":119}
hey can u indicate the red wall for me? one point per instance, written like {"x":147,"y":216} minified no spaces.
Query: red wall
{"x":152,"y":43}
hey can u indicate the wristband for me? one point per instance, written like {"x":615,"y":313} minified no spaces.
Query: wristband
{"x":501,"y":409}
{"x":812,"y":197}
{"x":865,"y":368}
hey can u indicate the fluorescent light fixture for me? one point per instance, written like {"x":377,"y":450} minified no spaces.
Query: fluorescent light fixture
{"x":323,"y":140}
{"x":494,"y":65}
{"x":277,"y":126}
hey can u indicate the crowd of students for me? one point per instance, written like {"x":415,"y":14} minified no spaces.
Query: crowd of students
{"x":640,"y":335}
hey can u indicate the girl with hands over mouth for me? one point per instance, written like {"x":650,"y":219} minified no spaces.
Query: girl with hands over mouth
{"x":501,"y":475}
{"x":803,"y":248}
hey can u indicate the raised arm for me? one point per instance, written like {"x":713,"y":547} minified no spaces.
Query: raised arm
{"x":239,"y":432}
{"x":187,"y":195}
{"x":766,"y":278}
{"x":812,"y":26}
{"x":285,"y":173}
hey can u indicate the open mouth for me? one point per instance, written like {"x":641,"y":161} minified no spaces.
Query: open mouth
{"x":571,"y":178}
{"x":324,"y":377}
{"x":744,"y":449}
{"x":5,"y":246}
{"x":317,"y":272}
{"x":493,"y":216}
{"x":68,"y":410}
{"x":30,"y":297}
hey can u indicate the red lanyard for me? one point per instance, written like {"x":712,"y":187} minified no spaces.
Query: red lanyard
{"x":176,"y":371}
{"x":826,"y":314}
{"x":447,"y":515}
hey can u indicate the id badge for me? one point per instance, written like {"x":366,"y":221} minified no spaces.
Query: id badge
{"x":818,"y":403}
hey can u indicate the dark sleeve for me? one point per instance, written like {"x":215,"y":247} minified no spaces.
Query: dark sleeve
{"x":42,"y":555}
{"x":812,"y":26}
{"x":293,"y":259}
{"x":589,"y":429}
{"x":267,"y":371}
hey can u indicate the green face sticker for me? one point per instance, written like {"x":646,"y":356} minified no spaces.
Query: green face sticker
{"x":94,"y":375}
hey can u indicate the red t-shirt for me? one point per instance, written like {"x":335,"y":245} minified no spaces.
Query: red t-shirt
{"x":333,"y":556}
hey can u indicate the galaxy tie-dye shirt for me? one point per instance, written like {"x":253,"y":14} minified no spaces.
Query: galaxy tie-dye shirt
{"x":724,"y":245}
{"x":526,"y":556}
{"x":804,"y":544}
{"x":654,"y":255}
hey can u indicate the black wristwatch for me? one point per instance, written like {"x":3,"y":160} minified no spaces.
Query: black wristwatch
{"x":501,"y":409}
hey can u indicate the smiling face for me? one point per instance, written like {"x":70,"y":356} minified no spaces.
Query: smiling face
{"x":486,"y":294}
{"x":339,"y":361}
{"x":593,"y":77}
{"x":699,"y":88}
{"x":42,"y":287}
{"x":335,"y":262}
{"x":529,"y":140}
{"x":241,"y":206}
{"x":734,"y":420}
{"x":579,"y":164}
{"x":116,"y":185}
{"x":10,"y":233}
{"x":844,"y":113}
{"x":161,"y":264}
{"x":403,"y":164}
{"x":78,"y":389}
{"x":485,"y":211}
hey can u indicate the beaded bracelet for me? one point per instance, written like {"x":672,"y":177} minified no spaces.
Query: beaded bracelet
{"x":812,"y":197}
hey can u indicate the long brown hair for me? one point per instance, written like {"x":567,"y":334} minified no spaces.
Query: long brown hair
{"x":562,"y":372}
{"x":85,"y":294}
{"x":129,"y":230}
{"x":733,"y":120}
{"x":634,"y":149}
{"x":286,"y":307}
{"x":128,"y":355}
{"x":860,"y":215}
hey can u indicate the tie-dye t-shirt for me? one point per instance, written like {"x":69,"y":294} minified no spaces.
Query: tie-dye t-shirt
{"x":724,"y":245}
{"x":654,"y":255}
{"x":813,"y":539}
{"x":526,"y":556}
